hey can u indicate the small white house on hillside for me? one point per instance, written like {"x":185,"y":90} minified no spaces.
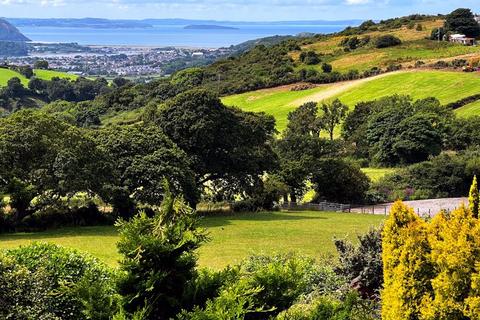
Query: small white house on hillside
{"x":462,"y":39}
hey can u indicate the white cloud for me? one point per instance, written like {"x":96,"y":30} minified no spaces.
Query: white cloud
{"x":357,"y":2}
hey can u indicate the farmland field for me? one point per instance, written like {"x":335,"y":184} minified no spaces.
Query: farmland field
{"x":415,"y":47}
{"x":375,"y":174}
{"x":446,"y":86}
{"x":472,"y":109}
{"x":49,"y":74}
{"x":7,"y":74}
{"x":231,"y":238}
{"x":277,"y":101}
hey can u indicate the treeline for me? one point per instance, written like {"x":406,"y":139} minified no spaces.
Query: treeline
{"x":15,"y":96}
{"x":212,"y":153}
{"x":193,"y":141}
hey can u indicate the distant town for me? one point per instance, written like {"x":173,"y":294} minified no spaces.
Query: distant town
{"x":113,"y":61}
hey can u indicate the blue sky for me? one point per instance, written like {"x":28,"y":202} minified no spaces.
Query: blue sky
{"x":246,"y":10}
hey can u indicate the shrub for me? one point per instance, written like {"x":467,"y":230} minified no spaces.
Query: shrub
{"x":431,"y":270}
{"x":158,"y":258}
{"x":327,"y":68}
{"x":310,"y":57}
{"x":350,"y":307}
{"x":45,"y":281}
{"x":362,"y":264}
{"x":263,"y":286}
{"x":404,"y":240}
{"x":61,"y":215}
{"x":387,"y":41}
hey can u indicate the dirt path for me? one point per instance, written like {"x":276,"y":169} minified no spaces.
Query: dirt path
{"x":340,"y":87}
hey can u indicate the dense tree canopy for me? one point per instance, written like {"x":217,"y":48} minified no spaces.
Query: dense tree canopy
{"x":222,"y":142}
{"x":43,"y":154}
{"x":462,"y":21}
{"x":143,"y":158}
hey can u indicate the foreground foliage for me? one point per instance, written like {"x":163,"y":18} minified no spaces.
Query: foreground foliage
{"x":431,"y":268}
{"x":45,"y":281}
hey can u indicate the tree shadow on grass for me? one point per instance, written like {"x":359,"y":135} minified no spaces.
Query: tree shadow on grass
{"x":221,"y":221}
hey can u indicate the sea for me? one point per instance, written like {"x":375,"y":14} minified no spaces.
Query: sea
{"x":170,"y":35}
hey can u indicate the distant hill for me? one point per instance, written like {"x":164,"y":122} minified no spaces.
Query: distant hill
{"x":10,"y":33}
{"x":209,"y":27}
{"x":148,"y":23}
{"x":79,"y":23}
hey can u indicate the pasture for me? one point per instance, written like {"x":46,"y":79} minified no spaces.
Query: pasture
{"x":7,"y":74}
{"x":375,"y":174}
{"x":232,"y":238}
{"x":472,"y":109}
{"x":278,"y":102}
{"x":446,"y":86}
{"x":415,"y":47}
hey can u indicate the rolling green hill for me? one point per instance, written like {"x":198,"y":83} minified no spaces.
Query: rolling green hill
{"x":414,"y":47}
{"x":446,"y":86}
{"x":7,"y":74}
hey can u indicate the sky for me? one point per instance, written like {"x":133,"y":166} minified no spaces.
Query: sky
{"x":233,"y":10}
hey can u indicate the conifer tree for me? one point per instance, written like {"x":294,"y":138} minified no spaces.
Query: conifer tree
{"x":474,"y":198}
{"x":454,"y":254}
{"x":406,"y":266}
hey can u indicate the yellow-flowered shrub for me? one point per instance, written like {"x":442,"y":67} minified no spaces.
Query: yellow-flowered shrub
{"x":432,"y":269}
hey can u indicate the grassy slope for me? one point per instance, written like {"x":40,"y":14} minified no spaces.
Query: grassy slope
{"x":6,"y":74}
{"x":232,"y":238}
{"x":446,"y":86}
{"x":414,"y":47}
{"x":472,"y":109}
{"x":375,"y":174}
{"x":49,"y":74}
{"x":277,"y":101}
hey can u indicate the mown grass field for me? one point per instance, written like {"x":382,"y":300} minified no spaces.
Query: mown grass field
{"x":6,"y":74}
{"x":443,"y":85}
{"x":447,"y":86}
{"x":231,"y":238}
{"x":375,"y":174}
{"x":49,"y":74}
{"x":278,"y":102}
{"x":472,"y":109}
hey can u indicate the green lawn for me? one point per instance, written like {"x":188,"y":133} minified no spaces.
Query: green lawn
{"x":7,"y":74}
{"x":375,"y":174}
{"x":232,"y":238}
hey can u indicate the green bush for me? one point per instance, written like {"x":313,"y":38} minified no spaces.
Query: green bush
{"x":158,"y":258}
{"x":362,"y":264}
{"x":310,"y":57}
{"x":45,"y":281}
{"x":387,"y":41}
{"x":351,"y":307}
{"x":264,"y":286}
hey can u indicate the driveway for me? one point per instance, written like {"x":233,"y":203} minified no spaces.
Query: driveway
{"x":422,"y":207}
